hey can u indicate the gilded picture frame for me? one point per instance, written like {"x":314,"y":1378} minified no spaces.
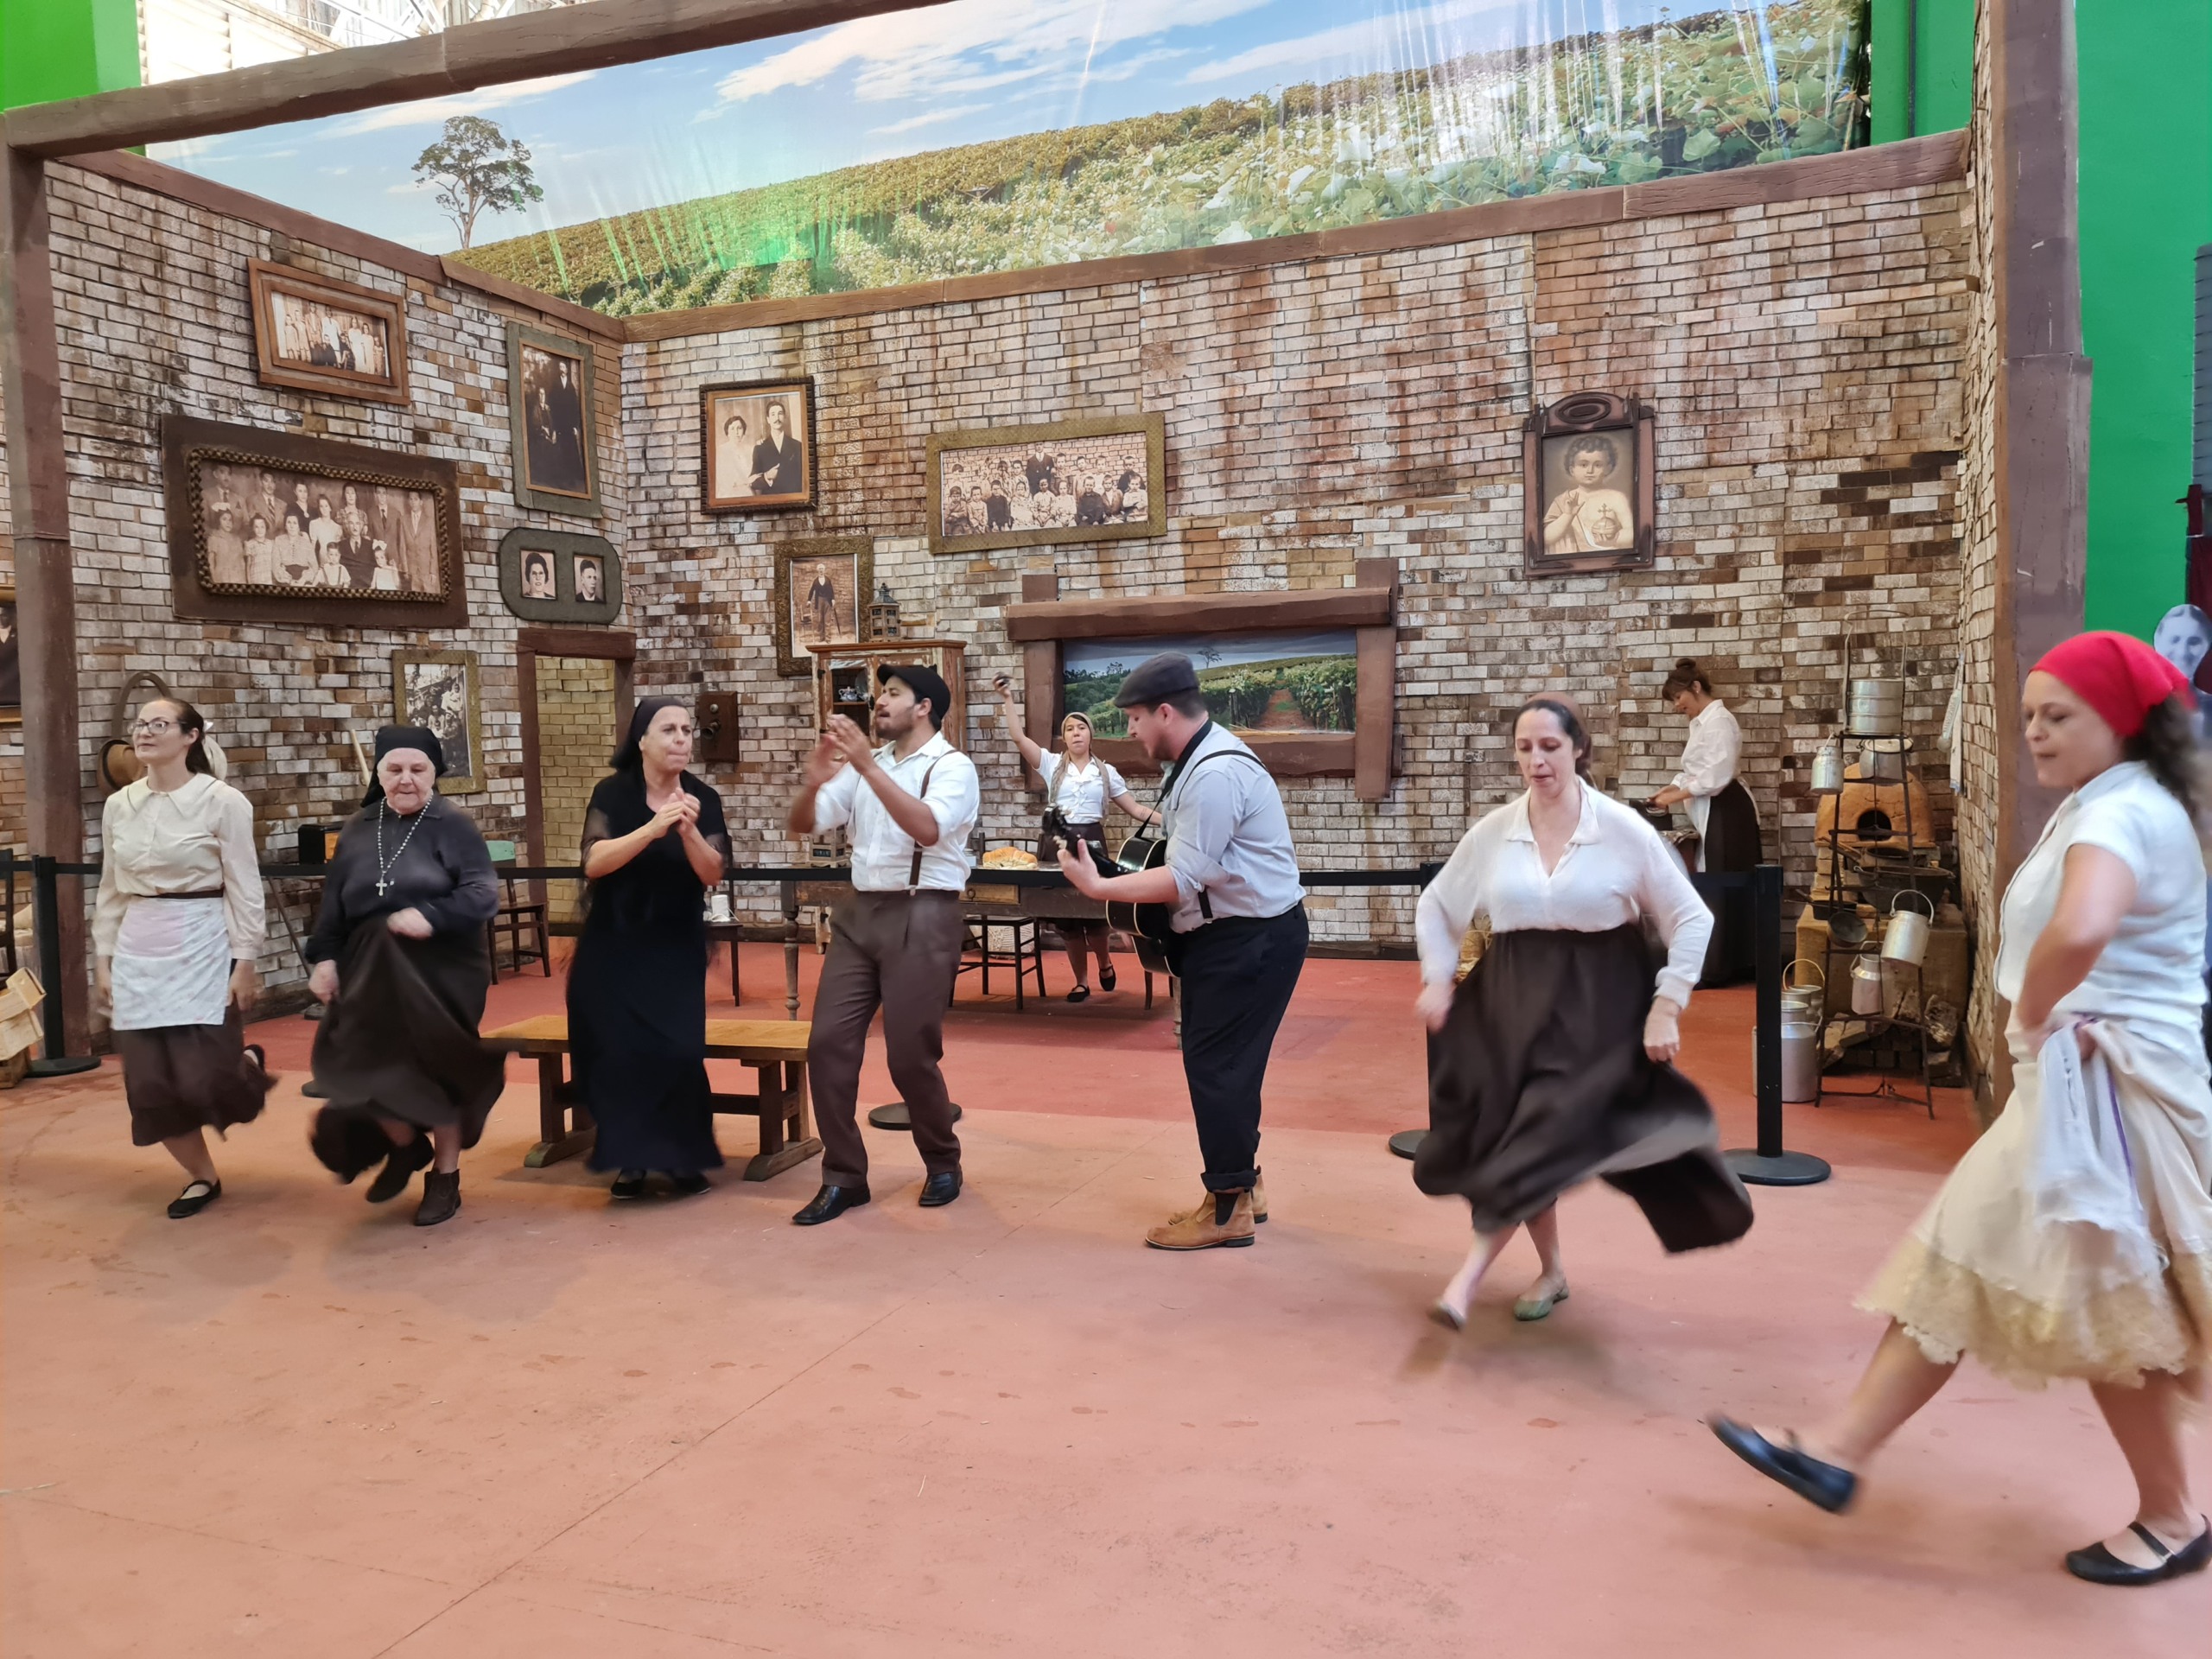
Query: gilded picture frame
{"x":1046,"y":486}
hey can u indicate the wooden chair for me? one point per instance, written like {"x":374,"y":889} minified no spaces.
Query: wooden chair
{"x":1026,"y":953}
{"x":519,"y":918}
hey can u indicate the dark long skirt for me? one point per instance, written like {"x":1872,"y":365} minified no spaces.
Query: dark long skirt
{"x":179,"y":1078}
{"x":1731,"y":843}
{"x":637,"y":1028}
{"x":1539,"y":1082}
{"x":1088,"y":929}
{"x":401,"y":1040}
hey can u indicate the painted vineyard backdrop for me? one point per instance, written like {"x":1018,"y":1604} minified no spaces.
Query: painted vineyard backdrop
{"x":1251,"y":682}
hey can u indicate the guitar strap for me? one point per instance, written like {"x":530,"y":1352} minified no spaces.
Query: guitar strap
{"x":1174,"y":786}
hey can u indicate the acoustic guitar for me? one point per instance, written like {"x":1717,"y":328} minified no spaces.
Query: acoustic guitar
{"x":1146,"y":925}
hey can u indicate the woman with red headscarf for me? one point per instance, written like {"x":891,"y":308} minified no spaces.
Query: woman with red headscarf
{"x":2075,"y":1238}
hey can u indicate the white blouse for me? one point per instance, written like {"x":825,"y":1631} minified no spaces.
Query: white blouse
{"x":196,"y":838}
{"x":1711,"y":752}
{"x":1615,"y":870}
{"x":2153,"y":973}
{"x":1080,"y":792}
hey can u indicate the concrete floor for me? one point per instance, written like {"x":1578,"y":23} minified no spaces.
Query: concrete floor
{"x":298,"y":1426}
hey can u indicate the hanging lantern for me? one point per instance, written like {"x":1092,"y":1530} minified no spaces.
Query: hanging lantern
{"x":883,"y":615}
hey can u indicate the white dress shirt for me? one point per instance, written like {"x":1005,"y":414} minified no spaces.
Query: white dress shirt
{"x":883,"y":854}
{"x":1615,"y":870}
{"x":1228,"y":837}
{"x":1080,"y":792}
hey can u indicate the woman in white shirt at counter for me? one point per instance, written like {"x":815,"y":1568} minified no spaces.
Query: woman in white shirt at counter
{"x":1078,"y":785}
{"x":1720,"y":809}
{"x":1550,"y":1064}
{"x":176,"y":929}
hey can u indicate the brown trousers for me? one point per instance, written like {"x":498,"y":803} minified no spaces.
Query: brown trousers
{"x":899,"y":952}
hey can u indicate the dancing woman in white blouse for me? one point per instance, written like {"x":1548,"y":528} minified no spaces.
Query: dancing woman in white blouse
{"x":1078,"y":785}
{"x":1550,"y":1064}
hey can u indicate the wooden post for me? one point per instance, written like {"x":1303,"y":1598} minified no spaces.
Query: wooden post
{"x":46,"y":593}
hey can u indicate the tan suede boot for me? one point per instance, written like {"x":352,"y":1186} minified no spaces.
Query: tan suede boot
{"x":1202,"y":1229}
{"x":1258,"y":1196}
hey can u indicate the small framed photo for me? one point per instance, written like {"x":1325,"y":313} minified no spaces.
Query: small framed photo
{"x":559,"y":575}
{"x":438,"y":690}
{"x":1092,"y":481}
{"x":757,"y":446}
{"x":315,"y":334}
{"x":822,"y":588}
{"x":1589,"y":485}
{"x":11,"y":671}
{"x":550,"y":380}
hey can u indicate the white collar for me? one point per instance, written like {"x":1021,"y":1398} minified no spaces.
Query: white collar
{"x":1585,"y":826}
{"x":888,"y":754}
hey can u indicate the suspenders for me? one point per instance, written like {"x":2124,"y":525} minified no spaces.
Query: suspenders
{"x":1205,"y":905}
{"x":914,"y":871}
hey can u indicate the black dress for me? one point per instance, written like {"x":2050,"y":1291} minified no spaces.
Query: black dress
{"x":637,"y":990}
{"x":401,"y":1039}
{"x":1731,"y":843}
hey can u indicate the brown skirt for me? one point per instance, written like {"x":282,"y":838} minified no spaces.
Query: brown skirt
{"x":1048,"y":858}
{"x":1539,"y":1082}
{"x":179,"y":1078}
{"x":401,"y":1038}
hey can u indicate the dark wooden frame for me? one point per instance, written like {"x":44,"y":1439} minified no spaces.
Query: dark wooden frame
{"x":800,"y":385}
{"x":618,"y":647}
{"x":789,"y":665}
{"x":1042,"y":623}
{"x":12,"y":713}
{"x":186,"y":440}
{"x":265,"y":278}
{"x":1571,"y":415}
{"x":586,"y":506}
{"x":1152,"y":426}
{"x":474,"y":781}
{"x":565,"y":545}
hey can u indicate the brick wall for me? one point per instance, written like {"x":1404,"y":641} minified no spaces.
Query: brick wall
{"x":576,"y":724}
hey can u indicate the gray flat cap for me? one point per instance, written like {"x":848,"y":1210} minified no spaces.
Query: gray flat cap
{"x":1157,"y":679}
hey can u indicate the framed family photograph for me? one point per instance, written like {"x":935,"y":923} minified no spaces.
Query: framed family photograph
{"x":1589,"y":485}
{"x":438,"y":690}
{"x":315,"y":334}
{"x":822,"y":588}
{"x":11,"y":671}
{"x":757,"y":446}
{"x":277,"y":526}
{"x":550,"y":380}
{"x":559,"y":575}
{"x":1091,"y":481}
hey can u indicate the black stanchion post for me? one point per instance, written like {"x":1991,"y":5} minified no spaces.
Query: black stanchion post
{"x":1769,"y":1166}
{"x":46,"y":922}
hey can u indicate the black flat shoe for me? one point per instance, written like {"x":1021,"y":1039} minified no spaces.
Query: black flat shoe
{"x":196,"y":1196}
{"x":1080,"y":994}
{"x":440,"y":1197}
{"x":2100,"y":1566}
{"x":829,"y":1204}
{"x":689,"y":1186}
{"x":629,"y":1184}
{"x":399,"y":1169}
{"x":940,"y":1190}
{"x":1105,"y":976}
{"x":1824,"y":1484}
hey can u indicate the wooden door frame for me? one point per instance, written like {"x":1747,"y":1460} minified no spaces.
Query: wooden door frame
{"x":531,"y":643}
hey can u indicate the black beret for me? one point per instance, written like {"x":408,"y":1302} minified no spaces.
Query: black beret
{"x":1157,"y":680}
{"x":924,"y":681}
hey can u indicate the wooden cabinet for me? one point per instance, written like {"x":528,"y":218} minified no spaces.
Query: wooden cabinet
{"x":844,"y":680}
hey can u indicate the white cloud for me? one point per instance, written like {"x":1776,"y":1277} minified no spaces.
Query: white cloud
{"x":1424,"y":35}
{"x":969,"y":45}
{"x":928,"y":119}
{"x":436,"y":111}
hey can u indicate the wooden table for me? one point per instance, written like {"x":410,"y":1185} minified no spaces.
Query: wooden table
{"x":775,"y":1049}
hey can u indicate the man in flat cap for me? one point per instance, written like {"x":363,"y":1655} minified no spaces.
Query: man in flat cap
{"x":895,"y":939}
{"x":1238,"y":938}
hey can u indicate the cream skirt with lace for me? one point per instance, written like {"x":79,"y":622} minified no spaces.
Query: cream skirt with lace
{"x":1977,"y":1276}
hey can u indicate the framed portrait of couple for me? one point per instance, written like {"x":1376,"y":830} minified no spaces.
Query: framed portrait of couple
{"x":757,"y":445}
{"x":550,"y":382}
{"x":558,"y":575}
{"x":1589,"y":485}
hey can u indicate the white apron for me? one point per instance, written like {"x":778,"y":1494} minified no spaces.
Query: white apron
{"x":172,"y":964}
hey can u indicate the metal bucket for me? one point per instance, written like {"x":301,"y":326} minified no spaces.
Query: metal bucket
{"x":1905,"y":938}
{"x":1828,"y":768}
{"x":1881,"y":765}
{"x":1866,"y":984}
{"x":1801,"y":1059}
{"x":1803,"y":1002}
{"x":1875,"y":708}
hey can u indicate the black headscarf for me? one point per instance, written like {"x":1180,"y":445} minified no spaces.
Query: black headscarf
{"x":403,"y":737}
{"x":631,"y":756}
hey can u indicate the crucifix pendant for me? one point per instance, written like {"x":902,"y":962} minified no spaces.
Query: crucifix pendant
{"x":382,"y":888}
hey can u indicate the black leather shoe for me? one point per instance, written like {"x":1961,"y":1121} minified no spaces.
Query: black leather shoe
{"x":441,"y":1198}
{"x":197,"y":1196}
{"x":689,"y":1186}
{"x":940,"y":1190}
{"x":399,"y":1169}
{"x":1105,"y":976}
{"x":2100,"y":1566}
{"x":1822,"y":1484}
{"x":830,"y":1203}
{"x":628,"y":1184}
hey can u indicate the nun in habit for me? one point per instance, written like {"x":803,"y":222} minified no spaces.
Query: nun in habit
{"x":399,"y":960}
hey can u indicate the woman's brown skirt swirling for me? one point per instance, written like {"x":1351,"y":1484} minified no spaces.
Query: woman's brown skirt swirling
{"x":401,"y":1039}
{"x":179,"y":1078}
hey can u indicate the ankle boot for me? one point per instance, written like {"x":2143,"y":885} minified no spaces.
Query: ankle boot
{"x":440,"y":1197}
{"x":1222,"y":1220}
{"x":399,"y":1169}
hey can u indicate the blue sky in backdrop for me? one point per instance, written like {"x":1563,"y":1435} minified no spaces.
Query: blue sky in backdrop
{"x":613,"y":141}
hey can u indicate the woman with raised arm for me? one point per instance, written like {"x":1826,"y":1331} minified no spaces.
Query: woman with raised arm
{"x":654,"y":844}
{"x":1550,"y":1062}
{"x":2075,"y":1238}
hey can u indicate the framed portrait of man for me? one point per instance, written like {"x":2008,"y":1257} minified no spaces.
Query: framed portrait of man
{"x":316,"y":333}
{"x":550,"y":383}
{"x":559,"y":576}
{"x":758,"y":446}
{"x":822,"y":588}
{"x":438,"y":690}
{"x":1588,"y":485}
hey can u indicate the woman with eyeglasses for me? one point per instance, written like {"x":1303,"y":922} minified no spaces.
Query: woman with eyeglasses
{"x":177,"y":930}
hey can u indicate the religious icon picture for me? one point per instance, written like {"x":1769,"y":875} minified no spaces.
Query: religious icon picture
{"x":559,"y":575}
{"x":315,"y":334}
{"x":438,"y":689}
{"x":11,"y":672}
{"x":757,"y":446}
{"x":550,"y":410}
{"x":821,"y":588}
{"x":1589,"y":491}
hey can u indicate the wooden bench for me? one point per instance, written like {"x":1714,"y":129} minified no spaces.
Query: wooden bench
{"x":775,"y":1049}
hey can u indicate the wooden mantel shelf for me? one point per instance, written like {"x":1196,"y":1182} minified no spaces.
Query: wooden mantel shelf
{"x":1108,"y":619}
